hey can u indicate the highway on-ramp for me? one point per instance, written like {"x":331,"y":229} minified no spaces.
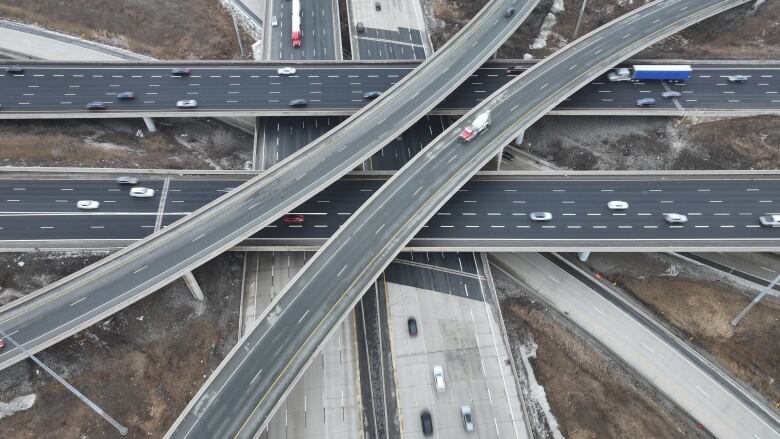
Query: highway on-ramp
{"x":242,"y":393}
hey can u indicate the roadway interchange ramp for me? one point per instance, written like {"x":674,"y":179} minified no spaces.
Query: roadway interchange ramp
{"x":279,"y":347}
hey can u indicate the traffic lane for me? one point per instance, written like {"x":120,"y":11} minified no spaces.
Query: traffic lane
{"x":76,"y":226}
{"x":62,"y":196}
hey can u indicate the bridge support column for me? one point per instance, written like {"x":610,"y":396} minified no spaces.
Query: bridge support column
{"x":192,"y":284}
{"x":583,"y":256}
{"x":519,"y":139}
{"x":150,"y":124}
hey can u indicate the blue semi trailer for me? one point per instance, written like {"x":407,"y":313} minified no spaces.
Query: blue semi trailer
{"x":658,"y":72}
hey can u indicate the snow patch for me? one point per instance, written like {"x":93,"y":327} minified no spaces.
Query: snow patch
{"x":528,"y":352}
{"x":557,"y":7}
{"x":18,"y":404}
{"x":540,"y":42}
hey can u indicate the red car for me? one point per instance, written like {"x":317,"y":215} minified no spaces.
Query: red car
{"x":293,"y":219}
{"x":2,"y":344}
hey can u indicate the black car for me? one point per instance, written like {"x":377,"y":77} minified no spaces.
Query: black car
{"x":412,"y":325}
{"x":14,"y":69}
{"x":125,"y":96}
{"x":360,"y":28}
{"x":372,"y":94}
{"x":181,"y":71}
{"x":96,"y":106}
{"x":299,"y":103}
{"x":509,"y":12}
{"x":377,"y":6}
{"x":507,"y":155}
{"x":427,"y":423}
{"x":516,"y":70}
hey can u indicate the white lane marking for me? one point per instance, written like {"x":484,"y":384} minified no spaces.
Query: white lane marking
{"x":647,"y":347}
{"x":200,"y":236}
{"x":599,"y":311}
{"x":77,"y":301}
{"x":256,"y":375}
{"x":141,"y":269}
{"x":307,"y":311}
{"x":702,"y":391}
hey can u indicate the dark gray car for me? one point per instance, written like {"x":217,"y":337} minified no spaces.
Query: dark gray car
{"x":299,"y":103}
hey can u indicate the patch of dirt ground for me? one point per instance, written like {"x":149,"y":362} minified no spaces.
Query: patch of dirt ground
{"x":21,"y":273}
{"x":655,"y":143}
{"x":164,"y":29}
{"x":591,"y":394}
{"x":700,"y":310}
{"x":743,"y":32}
{"x":739,"y":33}
{"x":124,"y":143}
{"x":142,"y":365}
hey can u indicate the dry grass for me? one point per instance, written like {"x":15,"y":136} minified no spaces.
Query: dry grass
{"x":115,"y":143}
{"x":701,"y":311}
{"x":165,"y":29}
{"x":735,"y":34}
{"x":590,"y":394}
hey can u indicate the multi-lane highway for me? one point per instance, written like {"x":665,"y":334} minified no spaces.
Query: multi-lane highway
{"x":321,"y":38}
{"x":272,"y":355}
{"x":63,"y":90}
{"x":489,"y":212}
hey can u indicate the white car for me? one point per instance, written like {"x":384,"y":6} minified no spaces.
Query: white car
{"x":770,"y":220}
{"x":617,"y":205}
{"x":468,"y":422}
{"x":141,"y":192}
{"x":671,"y":94}
{"x":188,"y":103}
{"x":675,"y":218}
{"x":438,"y":378}
{"x":286,"y":71}
{"x":88,"y":204}
{"x":737,"y":78}
{"x":540,"y":216}
{"x":274,"y":21}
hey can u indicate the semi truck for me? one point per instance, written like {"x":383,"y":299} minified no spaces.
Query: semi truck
{"x":479,"y":124}
{"x":296,"y":23}
{"x":641,"y":72}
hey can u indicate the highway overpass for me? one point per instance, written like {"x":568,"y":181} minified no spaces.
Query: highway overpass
{"x":46,"y":90}
{"x":142,"y":267}
{"x":262,"y":367}
{"x":488,"y":213}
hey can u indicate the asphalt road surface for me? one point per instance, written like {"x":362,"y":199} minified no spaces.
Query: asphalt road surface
{"x":364,"y":246}
{"x":485,"y":213}
{"x":64,"y":90}
{"x":321,"y":38}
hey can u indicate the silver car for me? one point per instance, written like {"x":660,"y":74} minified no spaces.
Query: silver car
{"x":675,"y":218}
{"x":737,"y":78}
{"x":671,"y":94}
{"x":540,"y":216}
{"x":126,"y":180}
